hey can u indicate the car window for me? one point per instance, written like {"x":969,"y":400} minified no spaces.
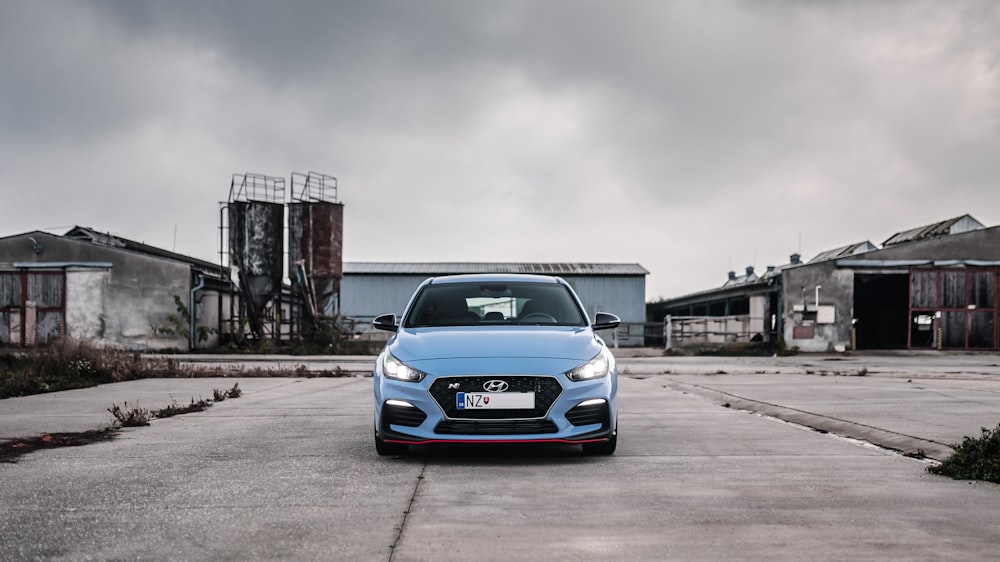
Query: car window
{"x":467,"y":304}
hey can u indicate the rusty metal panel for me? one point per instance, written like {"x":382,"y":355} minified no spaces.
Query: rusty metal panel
{"x":803,"y":332}
{"x":953,"y":328}
{"x":923,"y":286}
{"x":981,"y":329}
{"x":46,"y":290}
{"x":5,"y":327}
{"x":953,"y":289}
{"x":982,"y":290}
{"x":10,"y":290}
{"x":316,"y":237}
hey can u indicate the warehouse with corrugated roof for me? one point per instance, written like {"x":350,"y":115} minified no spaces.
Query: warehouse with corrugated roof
{"x":929,"y":287}
{"x":372,"y":288}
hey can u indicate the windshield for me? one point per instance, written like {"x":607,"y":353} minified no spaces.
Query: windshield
{"x":467,"y":304}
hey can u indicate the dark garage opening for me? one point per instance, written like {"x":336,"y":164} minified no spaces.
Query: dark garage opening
{"x":881,"y":309}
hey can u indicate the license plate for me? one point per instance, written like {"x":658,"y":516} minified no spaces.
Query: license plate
{"x":495,"y":400}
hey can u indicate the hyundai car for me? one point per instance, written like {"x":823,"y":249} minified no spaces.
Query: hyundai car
{"x":495,"y":359}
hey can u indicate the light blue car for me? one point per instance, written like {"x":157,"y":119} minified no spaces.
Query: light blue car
{"x":494,"y":359}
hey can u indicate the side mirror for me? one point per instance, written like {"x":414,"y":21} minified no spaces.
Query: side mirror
{"x":605,"y":321}
{"x":385,"y":322}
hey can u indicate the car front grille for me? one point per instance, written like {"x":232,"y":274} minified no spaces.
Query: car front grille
{"x":495,"y":427}
{"x":546,"y":389}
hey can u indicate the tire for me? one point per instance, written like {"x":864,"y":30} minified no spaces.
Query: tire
{"x":604,"y":448}
{"x":390,"y":449}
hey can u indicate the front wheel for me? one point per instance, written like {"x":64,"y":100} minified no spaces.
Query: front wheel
{"x":603,"y":448}
{"x":389,"y":449}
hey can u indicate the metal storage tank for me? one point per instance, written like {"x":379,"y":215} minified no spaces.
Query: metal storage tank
{"x":316,"y":240}
{"x":256,"y":216}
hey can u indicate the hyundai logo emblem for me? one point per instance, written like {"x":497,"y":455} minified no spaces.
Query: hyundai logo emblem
{"x":495,"y":385}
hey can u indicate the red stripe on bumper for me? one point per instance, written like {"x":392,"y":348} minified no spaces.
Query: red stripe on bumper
{"x":492,"y":441}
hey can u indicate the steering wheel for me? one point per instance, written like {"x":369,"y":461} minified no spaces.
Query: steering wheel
{"x":538,"y":317}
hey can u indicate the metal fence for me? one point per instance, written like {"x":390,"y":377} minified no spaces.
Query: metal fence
{"x":679,"y":331}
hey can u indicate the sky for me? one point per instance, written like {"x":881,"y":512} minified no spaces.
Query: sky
{"x":691,"y":137}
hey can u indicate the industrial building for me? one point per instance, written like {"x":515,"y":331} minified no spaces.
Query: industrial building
{"x":90,"y":285}
{"x":369,"y":289}
{"x":930,"y":287}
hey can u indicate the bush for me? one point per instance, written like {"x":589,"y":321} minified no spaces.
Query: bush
{"x":974,"y":459}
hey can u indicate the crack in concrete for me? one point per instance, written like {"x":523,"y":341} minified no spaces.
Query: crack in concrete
{"x":907,"y":445}
{"x":406,"y":513}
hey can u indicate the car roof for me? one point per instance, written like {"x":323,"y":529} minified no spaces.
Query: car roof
{"x":493,"y":278}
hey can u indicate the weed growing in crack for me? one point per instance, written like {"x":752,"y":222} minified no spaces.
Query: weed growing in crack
{"x":234,"y":392}
{"x":130,"y":416}
{"x":220,"y":395}
{"x":175,"y":409}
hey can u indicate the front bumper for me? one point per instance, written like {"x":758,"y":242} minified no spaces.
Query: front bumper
{"x":565,"y":412}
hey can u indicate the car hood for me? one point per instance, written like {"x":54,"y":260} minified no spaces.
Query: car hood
{"x":501,"y":349}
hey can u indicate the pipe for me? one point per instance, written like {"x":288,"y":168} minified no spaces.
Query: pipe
{"x":192,"y":342}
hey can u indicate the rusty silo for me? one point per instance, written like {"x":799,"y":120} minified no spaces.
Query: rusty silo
{"x":256,"y":216}
{"x":315,"y":242}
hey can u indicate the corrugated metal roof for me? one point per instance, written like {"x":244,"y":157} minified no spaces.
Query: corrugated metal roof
{"x":915,"y":263}
{"x":845,"y":251}
{"x":88,"y":234}
{"x":957,"y":225}
{"x":454,"y":268}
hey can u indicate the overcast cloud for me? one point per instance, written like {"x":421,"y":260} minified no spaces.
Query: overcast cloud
{"x":689,"y":137}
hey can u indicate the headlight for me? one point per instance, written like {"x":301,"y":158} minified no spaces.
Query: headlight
{"x":596,"y":368}
{"x":396,"y":369}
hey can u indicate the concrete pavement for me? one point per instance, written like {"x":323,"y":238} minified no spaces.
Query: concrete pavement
{"x":914,"y":403}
